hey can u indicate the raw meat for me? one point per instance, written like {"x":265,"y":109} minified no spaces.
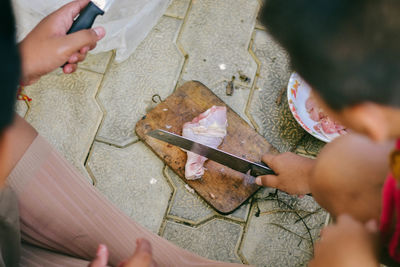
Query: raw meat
{"x":325,"y":125}
{"x":209,"y":128}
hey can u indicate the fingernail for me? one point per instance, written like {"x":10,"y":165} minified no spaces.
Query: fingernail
{"x":258,"y":181}
{"x":99,"y":31}
{"x":102,"y":254}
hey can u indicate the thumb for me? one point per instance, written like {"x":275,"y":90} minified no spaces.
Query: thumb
{"x":268,"y":180}
{"x":73,"y":42}
{"x":101,"y":259}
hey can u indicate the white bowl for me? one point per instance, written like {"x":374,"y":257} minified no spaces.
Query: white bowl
{"x":298,"y":92}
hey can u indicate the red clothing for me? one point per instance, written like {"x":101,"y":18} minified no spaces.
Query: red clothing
{"x":391,"y":208}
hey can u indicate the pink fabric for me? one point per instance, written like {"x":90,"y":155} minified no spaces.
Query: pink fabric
{"x":62,"y":212}
{"x":391,"y":208}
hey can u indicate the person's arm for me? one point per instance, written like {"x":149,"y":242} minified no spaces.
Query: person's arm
{"x":347,"y":243}
{"x":292,"y":173}
{"x":48,"y":47}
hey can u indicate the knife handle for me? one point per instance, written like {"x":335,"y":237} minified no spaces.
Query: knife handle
{"x":258,"y":171}
{"x":85,"y":19}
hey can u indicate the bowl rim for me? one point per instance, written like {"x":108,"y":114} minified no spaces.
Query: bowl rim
{"x":294,"y":112}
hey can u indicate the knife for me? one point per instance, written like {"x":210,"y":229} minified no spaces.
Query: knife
{"x":234,"y":162}
{"x":87,"y":16}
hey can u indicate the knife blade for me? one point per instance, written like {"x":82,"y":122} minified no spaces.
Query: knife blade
{"x":234,"y":162}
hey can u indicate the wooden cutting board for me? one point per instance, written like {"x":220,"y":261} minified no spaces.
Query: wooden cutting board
{"x":221,"y":187}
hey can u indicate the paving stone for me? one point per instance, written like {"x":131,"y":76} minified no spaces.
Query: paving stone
{"x":64,"y":110}
{"x":96,"y":62}
{"x":189,"y":207}
{"x":309,"y":146}
{"x":273,"y":117}
{"x":21,"y":108}
{"x":216,"y":239}
{"x":128,"y":87}
{"x":276,"y":236}
{"x":132,"y":179}
{"x":216,"y":36}
{"x":178,"y":8}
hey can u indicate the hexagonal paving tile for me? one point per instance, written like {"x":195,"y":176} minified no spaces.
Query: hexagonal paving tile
{"x":269,"y":107}
{"x":129,"y":86}
{"x":216,"y":36}
{"x":96,"y":62}
{"x":187,"y":206}
{"x":276,"y":236}
{"x":132,"y":179}
{"x":216,"y":239}
{"x":178,"y":8}
{"x":64,"y":110}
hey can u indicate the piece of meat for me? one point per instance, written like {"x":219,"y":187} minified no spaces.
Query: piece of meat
{"x":328,"y":125}
{"x":310,"y":104}
{"x":315,"y":114}
{"x":325,"y":125}
{"x":209,"y":128}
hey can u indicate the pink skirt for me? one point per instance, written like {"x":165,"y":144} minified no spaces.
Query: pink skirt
{"x":64,"y":218}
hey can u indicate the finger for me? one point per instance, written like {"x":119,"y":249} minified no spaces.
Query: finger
{"x":101,"y":259}
{"x":77,"y":57}
{"x":372,"y":226}
{"x":84,"y":50}
{"x":70,"y":68}
{"x":74,"y":42}
{"x":142,"y":256}
{"x":269,"y":159}
{"x":74,"y":58}
{"x":268,"y":180}
{"x":92,"y":46}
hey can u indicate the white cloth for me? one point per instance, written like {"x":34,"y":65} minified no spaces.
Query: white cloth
{"x":127,"y":22}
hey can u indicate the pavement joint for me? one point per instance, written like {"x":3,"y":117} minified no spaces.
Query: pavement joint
{"x":173,"y":17}
{"x":242,"y":237}
{"x":180,"y":46}
{"x":253,"y":87}
{"x":28,"y":106}
{"x":98,"y":100}
{"x":92,"y":177}
{"x":173,"y":193}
